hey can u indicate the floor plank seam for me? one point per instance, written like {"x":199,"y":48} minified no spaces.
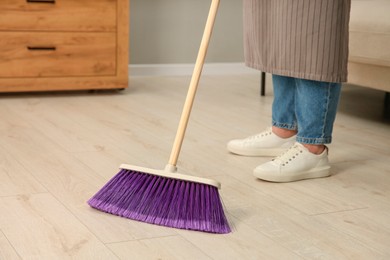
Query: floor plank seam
{"x":338,"y":211}
{"x":140,"y":239}
{"x":5,"y":236}
{"x":197,"y":247}
{"x":25,"y":194}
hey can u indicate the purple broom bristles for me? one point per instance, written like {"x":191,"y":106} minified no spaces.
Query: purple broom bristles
{"x":163,"y":201}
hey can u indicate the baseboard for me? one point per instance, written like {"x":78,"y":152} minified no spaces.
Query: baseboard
{"x":186,"y":69}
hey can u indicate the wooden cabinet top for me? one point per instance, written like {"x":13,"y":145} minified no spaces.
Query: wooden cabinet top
{"x":58,"y":15}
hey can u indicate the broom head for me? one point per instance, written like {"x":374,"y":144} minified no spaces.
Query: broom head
{"x":163,"y":198}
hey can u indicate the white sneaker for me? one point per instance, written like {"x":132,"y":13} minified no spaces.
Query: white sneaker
{"x":295,"y":164}
{"x":263,"y":144}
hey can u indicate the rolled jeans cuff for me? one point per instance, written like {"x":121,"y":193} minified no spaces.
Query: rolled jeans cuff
{"x":321,"y":140}
{"x":285,"y":125}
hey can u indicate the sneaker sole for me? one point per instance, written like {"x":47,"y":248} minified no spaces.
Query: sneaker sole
{"x":259,"y":152}
{"x":312,"y":174}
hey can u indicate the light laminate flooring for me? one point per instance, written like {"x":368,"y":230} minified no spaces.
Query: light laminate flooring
{"x":58,"y":149}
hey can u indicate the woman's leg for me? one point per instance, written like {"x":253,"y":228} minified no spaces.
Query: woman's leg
{"x":281,"y":137}
{"x":284,"y":123}
{"x":315,"y":107}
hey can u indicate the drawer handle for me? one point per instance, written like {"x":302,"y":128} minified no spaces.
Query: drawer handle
{"x":42,"y":1}
{"x":41,"y":48}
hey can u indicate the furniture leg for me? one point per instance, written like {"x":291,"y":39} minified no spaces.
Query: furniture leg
{"x":262,"y":89}
{"x":386,"y":106}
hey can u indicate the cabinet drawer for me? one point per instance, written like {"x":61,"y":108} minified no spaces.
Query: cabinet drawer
{"x":58,"y":15}
{"x":37,"y":54}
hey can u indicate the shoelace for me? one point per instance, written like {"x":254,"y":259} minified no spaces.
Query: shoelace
{"x":289,"y":155}
{"x":268,"y":131}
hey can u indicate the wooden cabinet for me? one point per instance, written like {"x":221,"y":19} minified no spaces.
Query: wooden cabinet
{"x":63,"y":44}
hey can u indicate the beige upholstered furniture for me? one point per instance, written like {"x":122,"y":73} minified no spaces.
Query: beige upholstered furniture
{"x":63,"y":44}
{"x":369,"y":46}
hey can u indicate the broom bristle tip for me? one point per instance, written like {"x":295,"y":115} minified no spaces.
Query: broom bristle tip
{"x":163,"y":201}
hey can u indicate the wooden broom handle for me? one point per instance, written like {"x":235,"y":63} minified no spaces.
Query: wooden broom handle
{"x":194,"y":83}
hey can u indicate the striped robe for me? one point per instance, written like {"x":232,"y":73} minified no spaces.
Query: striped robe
{"x":298,"y":38}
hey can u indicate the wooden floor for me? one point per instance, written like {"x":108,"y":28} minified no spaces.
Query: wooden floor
{"x":58,"y":149}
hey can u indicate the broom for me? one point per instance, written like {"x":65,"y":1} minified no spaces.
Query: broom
{"x":165,"y":197}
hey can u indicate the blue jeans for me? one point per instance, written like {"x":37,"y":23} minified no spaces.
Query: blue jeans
{"x":306,"y":106}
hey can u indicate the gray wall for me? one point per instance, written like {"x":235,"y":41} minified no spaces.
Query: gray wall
{"x":169,"y":31}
